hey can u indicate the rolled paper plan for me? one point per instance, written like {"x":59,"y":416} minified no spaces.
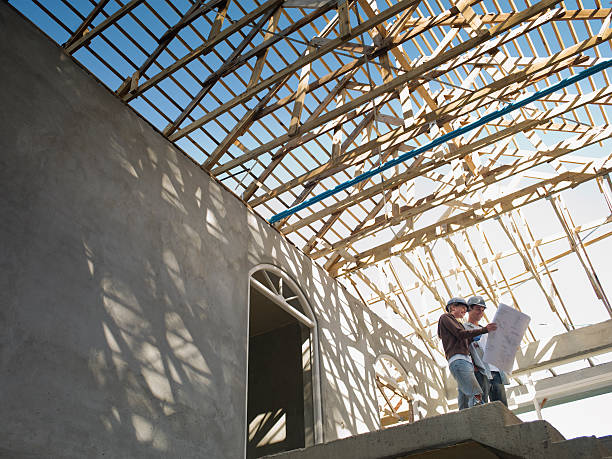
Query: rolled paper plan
{"x":503,"y":343}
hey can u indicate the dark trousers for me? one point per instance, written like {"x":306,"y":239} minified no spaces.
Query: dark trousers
{"x":497,"y":391}
{"x":484,"y":383}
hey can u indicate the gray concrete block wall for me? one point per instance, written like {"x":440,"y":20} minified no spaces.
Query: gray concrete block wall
{"x":124,"y":282}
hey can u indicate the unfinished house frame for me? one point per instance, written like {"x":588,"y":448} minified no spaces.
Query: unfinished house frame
{"x":282,"y":101}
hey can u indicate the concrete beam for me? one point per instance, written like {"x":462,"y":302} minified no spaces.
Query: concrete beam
{"x":568,"y":347}
{"x":564,"y":388}
{"x":548,"y":353}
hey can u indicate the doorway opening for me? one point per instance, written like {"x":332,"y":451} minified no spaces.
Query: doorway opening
{"x":283,"y":397}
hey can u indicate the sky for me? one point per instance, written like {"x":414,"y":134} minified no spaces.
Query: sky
{"x":582,"y":418}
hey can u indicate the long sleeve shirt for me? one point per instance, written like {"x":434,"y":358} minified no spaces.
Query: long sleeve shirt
{"x":455,"y":338}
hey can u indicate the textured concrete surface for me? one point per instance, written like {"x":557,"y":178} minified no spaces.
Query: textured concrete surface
{"x":491,"y":426}
{"x":124,"y":283}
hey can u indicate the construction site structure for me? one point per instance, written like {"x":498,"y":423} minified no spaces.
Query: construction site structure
{"x":230,"y":227}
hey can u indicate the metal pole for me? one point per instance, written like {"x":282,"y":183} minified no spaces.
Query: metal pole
{"x":443,"y":139}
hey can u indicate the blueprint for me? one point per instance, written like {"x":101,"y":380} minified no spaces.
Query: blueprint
{"x":503,"y":343}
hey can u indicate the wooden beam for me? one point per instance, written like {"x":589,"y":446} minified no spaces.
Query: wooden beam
{"x":300,"y":96}
{"x":562,"y":213}
{"x":85,"y":39}
{"x":489,"y":210}
{"x":304,"y":60}
{"x":491,"y":18}
{"x":515,"y":237}
{"x":406,"y":78}
{"x":422,"y":205}
{"x":240,"y":128}
{"x":219,"y":20}
{"x":196,"y":10}
{"x":276,"y":160}
{"x":210,"y":81}
{"x":343,"y":19}
{"x":202,"y":50}
{"x":261,"y":59}
{"x":82,"y":29}
{"x":400,"y":135}
{"x":461,"y":152}
{"x":353,"y":65}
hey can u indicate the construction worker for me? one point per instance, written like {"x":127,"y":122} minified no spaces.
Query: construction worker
{"x":490,"y":378}
{"x":456,"y":340}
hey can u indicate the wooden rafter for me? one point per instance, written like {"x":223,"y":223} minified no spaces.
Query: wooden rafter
{"x":280,"y":103}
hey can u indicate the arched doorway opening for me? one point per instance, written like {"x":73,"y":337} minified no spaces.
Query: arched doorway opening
{"x":283,"y":392}
{"x":396,"y":400}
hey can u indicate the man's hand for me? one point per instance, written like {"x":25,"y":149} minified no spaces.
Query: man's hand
{"x":492,"y":326}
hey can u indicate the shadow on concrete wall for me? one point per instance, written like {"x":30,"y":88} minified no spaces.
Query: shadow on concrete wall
{"x":126,"y":282}
{"x":169,"y":315}
{"x":123,"y":330}
{"x":351,"y":337}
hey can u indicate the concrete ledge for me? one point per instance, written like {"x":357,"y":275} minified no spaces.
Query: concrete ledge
{"x":591,"y":447}
{"x":492,"y":425}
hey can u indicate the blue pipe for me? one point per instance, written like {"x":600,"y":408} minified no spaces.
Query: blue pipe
{"x":442,"y":139}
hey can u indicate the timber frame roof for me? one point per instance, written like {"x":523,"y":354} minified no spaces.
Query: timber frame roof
{"x":281,"y":100}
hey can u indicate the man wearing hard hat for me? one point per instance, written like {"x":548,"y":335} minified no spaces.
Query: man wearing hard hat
{"x":456,"y":340}
{"x":490,"y":378}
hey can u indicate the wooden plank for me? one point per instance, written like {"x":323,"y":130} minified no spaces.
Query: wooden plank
{"x":463,"y":220}
{"x":261,"y":59}
{"x":536,"y":254}
{"x":82,"y":29}
{"x":257,"y":50}
{"x":440,"y":198}
{"x":514,"y":236}
{"x":408,"y":76}
{"x":103,"y":26}
{"x":398,"y":53}
{"x":130,"y":84}
{"x":455,"y":223}
{"x":252,"y":188}
{"x":300,"y":96}
{"x":337,"y":136}
{"x":196,"y":10}
{"x":400,"y":135}
{"x":355,"y":64}
{"x":223,"y":70}
{"x":492,"y":18}
{"x":202,"y":49}
{"x":304,"y":60}
{"x":562,"y":213}
{"x":239,"y":128}
{"x":219,"y":20}
{"x":470,"y":16}
{"x":343,"y":19}
{"x":307,"y":135}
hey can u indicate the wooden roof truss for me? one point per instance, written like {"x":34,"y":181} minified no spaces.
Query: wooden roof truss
{"x":282,"y":100}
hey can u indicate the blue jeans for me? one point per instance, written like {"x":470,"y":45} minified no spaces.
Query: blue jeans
{"x":463,"y":372}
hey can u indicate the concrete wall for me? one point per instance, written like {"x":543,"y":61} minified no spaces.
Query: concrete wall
{"x":124,"y":282}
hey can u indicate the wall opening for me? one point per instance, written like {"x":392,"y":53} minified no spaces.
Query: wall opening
{"x":283,"y":408}
{"x":396,"y":399}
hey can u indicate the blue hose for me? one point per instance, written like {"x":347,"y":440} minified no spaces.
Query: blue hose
{"x":442,"y":139}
